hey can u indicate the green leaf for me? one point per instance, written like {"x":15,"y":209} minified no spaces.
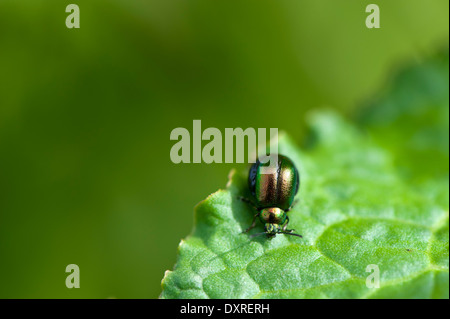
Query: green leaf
{"x":357,"y":207}
{"x":410,"y":119}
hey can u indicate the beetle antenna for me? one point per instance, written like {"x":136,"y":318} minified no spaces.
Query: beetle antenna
{"x":292,"y":234}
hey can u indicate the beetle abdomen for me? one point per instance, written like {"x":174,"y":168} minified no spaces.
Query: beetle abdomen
{"x":276,"y":189}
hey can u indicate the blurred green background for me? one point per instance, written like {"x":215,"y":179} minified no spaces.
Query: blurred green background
{"x":86,"y":115}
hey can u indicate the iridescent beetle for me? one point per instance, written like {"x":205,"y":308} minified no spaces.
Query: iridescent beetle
{"x":274,"y":194}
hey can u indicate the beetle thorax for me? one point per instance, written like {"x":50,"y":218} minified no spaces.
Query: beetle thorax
{"x":272,"y":215}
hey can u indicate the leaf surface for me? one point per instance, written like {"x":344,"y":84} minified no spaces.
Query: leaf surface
{"x":367,"y":199}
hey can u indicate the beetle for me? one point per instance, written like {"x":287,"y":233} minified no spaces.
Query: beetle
{"x":274,"y":192}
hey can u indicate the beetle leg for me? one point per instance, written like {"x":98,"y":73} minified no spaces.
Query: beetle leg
{"x":285,"y":226}
{"x":253,"y":223}
{"x":285,"y":223}
{"x":292,"y":206}
{"x":248,"y":201}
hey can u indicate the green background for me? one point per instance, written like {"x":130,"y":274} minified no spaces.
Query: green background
{"x":86,"y":115}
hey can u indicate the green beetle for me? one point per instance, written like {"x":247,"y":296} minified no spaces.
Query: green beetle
{"x":274,"y":193}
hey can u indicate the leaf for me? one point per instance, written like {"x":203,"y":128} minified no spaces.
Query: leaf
{"x":357,"y":207}
{"x":411,"y":119}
